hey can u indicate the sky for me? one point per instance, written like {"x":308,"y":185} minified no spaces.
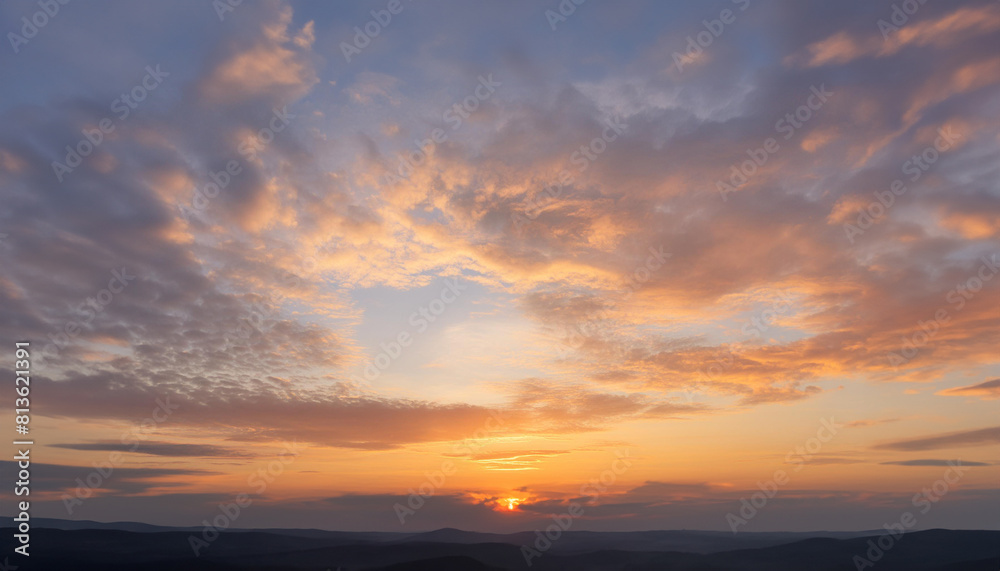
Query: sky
{"x":404,"y":265}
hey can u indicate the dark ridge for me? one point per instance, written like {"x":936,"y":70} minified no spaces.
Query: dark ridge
{"x":117,"y":550}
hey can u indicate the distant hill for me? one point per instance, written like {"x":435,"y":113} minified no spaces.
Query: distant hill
{"x":71,"y":524}
{"x":572,"y":541}
{"x":442,"y":564}
{"x":101,"y":546}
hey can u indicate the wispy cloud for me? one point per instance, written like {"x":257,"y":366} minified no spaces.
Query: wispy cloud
{"x":981,"y":437}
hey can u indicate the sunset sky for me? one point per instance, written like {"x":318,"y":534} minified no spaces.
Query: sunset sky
{"x":680,"y":246}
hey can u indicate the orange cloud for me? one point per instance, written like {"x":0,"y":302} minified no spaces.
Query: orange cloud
{"x":844,"y":47}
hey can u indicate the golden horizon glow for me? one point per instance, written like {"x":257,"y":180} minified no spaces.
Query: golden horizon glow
{"x":472,"y":278}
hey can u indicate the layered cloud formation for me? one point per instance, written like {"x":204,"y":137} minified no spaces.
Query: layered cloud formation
{"x":800,"y":219}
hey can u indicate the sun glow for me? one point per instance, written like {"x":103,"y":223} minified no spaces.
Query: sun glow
{"x":510,"y":503}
